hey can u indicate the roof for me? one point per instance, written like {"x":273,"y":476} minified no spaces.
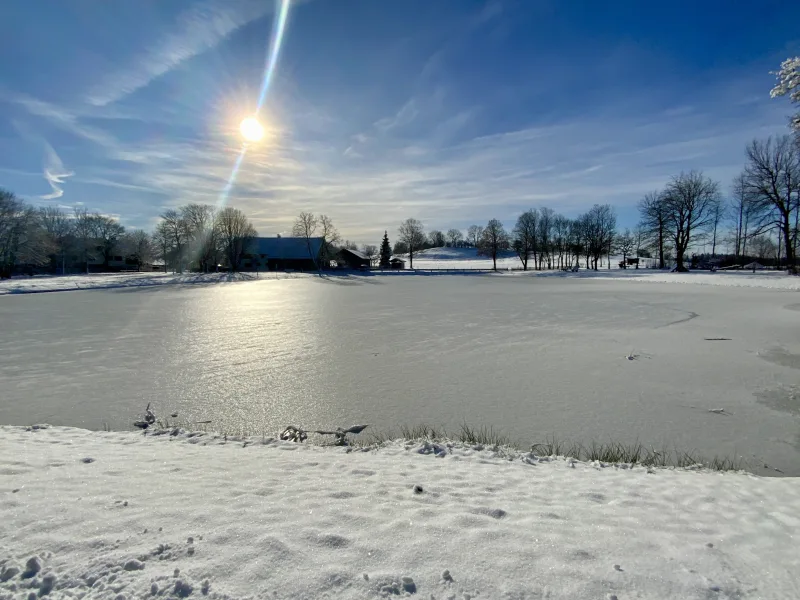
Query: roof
{"x":395,"y":259}
{"x":296,"y":248}
{"x":357,"y":253}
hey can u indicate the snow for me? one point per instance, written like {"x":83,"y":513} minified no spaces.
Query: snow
{"x":460,"y":258}
{"x":193,"y":515}
{"x":775,"y":280}
{"x":468,"y":258}
{"x":66,"y":283}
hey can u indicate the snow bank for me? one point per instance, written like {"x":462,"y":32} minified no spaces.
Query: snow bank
{"x":64,"y":283}
{"x":194,"y":516}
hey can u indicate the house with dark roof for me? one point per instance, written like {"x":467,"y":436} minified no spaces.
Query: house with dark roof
{"x":283,"y":253}
{"x":352,"y":259}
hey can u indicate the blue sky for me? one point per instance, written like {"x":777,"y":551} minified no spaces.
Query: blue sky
{"x":450,"y":111}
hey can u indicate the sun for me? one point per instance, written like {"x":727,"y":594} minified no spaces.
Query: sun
{"x":251,"y":129}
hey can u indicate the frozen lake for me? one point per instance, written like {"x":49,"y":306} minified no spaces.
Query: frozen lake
{"x":531,"y":356}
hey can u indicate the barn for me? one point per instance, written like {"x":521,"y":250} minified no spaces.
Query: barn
{"x":353,"y":259}
{"x":283,"y":254}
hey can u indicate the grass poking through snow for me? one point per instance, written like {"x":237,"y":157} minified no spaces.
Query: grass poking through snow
{"x":609,"y":452}
{"x":487,"y":437}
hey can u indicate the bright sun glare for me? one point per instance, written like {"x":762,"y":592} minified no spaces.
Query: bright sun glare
{"x":251,"y":129}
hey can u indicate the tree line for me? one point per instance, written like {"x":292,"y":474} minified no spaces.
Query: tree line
{"x":541,"y":238}
{"x":48,"y":236}
{"x":194,"y":236}
{"x":761,"y":214}
{"x":202,"y":238}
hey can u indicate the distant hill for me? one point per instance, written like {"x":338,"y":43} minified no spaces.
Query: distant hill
{"x":454,"y":254}
{"x":460,"y":258}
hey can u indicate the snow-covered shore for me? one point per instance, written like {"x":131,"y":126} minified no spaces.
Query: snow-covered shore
{"x":67,"y":283}
{"x":123,"y":515}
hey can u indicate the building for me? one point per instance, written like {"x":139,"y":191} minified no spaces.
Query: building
{"x":352,"y":259}
{"x":283,"y":254}
{"x":397,"y":263}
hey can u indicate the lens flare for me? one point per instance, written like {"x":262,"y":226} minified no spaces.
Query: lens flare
{"x":253,"y":127}
{"x":278,"y":28}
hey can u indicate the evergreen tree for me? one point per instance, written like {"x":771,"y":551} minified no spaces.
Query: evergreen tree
{"x":386,"y":251}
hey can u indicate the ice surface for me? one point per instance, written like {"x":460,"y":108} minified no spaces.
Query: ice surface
{"x":49,"y":283}
{"x":262,"y":517}
{"x":531,"y":356}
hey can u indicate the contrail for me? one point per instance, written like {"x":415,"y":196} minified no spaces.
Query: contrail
{"x":54,"y":173}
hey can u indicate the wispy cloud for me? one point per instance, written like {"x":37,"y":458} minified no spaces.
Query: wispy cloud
{"x":407,"y":113}
{"x":54,"y":173}
{"x":199,"y":29}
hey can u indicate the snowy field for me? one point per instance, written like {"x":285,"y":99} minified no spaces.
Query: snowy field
{"x":460,"y":258}
{"x":120,"y":515}
{"x":468,"y":258}
{"x":707,"y":369}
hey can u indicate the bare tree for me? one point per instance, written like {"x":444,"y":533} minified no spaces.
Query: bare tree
{"x":600,"y":230}
{"x":493,"y":241}
{"x":58,"y":228}
{"x":177,"y":229}
{"x":412,"y":234}
{"x":162,"y":243}
{"x":691,"y":202}
{"x":474,"y":234}
{"x":371,"y":252}
{"x":201,"y":235}
{"x":107,"y":232}
{"x":305,"y":226}
{"x":350,"y":245}
{"x":83,"y":229}
{"x":763,"y":247}
{"x":741,"y":209}
{"x":625,"y":244}
{"x":524,"y":236}
{"x":436,"y":239}
{"x":772,"y":180}
{"x":236,"y":233}
{"x":20,"y":239}
{"x":544,"y":240}
{"x":138,"y":246}
{"x":653,"y":214}
{"x":718,"y":214}
{"x":454,"y":237}
{"x":576,"y":241}
{"x":789,"y":84}
{"x":330,"y":237}
{"x":561,"y":229}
